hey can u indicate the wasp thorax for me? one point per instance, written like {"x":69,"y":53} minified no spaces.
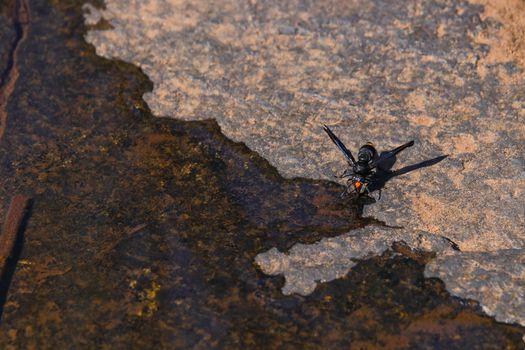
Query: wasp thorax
{"x":366,"y":153}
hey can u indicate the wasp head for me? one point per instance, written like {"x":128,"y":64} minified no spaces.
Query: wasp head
{"x":360,"y":185}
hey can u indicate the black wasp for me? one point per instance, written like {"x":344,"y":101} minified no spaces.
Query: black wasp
{"x":361,"y":172}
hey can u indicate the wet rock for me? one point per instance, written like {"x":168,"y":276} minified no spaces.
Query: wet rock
{"x":5,"y":39}
{"x":7,"y":34}
{"x":144,"y":230}
{"x":445,"y":74}
{"x":331,"y":258}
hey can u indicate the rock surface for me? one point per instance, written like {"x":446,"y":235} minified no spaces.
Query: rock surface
{"x":306,"y":264}
{"x":447,"y":74}
{"x":144,"y":230}
{"x":501,"y":293}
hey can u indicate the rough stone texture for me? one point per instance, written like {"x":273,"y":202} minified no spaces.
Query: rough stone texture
{"x":91,"y":14}
{"x":144,"y":230}
{"x":6,"y":38}
{"x":488,"y":282}
{"x":306,"y":264}
{"x":447,"y":74}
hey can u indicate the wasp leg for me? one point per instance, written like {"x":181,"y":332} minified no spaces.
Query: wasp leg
{"x":347,"y":190}
{"x":346,"y":173}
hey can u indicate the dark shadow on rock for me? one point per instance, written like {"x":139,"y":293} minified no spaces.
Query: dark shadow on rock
{"x":379,"y":179}
{"x":384,"y":174}
{"x":7,"y":276}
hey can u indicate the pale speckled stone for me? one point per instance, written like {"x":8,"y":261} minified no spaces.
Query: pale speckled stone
{"x":271,"y":72}
{"x":91,"y":14}
{"x":304,"y":265}
{"x":501,"y":293}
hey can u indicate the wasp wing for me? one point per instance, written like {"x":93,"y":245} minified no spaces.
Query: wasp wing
{"x":390,"y":154}
{"x":348,"y":155}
